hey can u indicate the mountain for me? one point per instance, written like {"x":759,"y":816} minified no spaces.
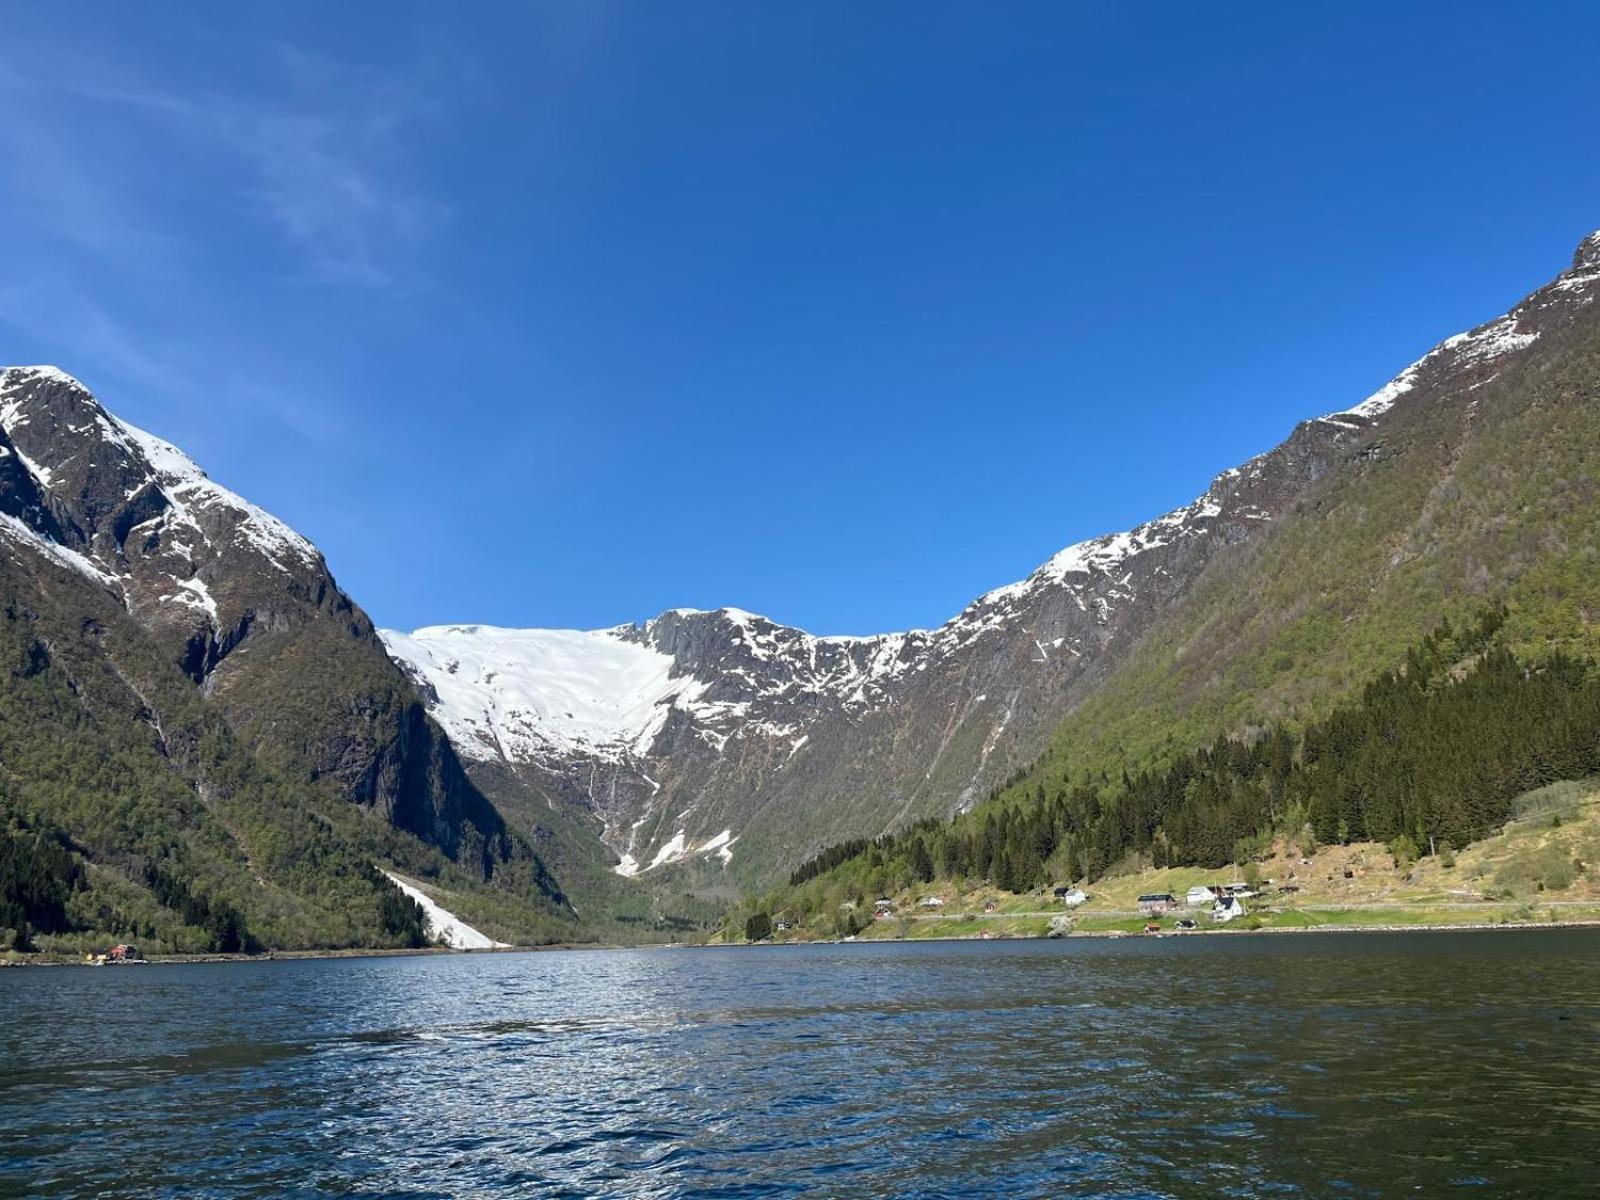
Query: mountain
{"x":192,"y":696}
{"x":723,"y":740}
{"x":1470,"y":479}
{"x":212,"y":744}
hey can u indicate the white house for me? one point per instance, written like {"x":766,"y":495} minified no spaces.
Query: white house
{"x":932,"y":902}
{"x":1074,"y":897}
{"x":1226,"y":909}
{"x":1200,"y":894}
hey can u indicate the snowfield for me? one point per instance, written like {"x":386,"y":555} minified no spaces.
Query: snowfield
{"x":510,"y":692}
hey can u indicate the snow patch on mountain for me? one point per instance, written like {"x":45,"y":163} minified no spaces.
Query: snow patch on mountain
{"x":444,"y":926}
{"x":677,"y":849}
{"x":1460,"y":352}
{"x":15,"y":531}
{"x":185,"y":484}
{"x":673,"y":850}
{"x":721,"y":845}
{"x":195,"y":593}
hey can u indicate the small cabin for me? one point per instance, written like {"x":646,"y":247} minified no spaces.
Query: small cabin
{"x":1156,"y":903}
{"x":931,"y":902}
{"x":124,"y":953}
{"x":1072,"y":897}
{"x":1202,"y":893}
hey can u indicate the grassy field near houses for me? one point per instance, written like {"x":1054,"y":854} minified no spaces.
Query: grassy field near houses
{"x":1541,"y":868}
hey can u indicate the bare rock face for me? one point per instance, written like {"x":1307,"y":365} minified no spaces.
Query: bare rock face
{"x":722,"y":737}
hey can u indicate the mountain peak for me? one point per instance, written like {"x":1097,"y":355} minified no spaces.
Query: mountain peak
{"x":41,"y":372}
{"x":1588,"y":253}
{"x":132,"y":480}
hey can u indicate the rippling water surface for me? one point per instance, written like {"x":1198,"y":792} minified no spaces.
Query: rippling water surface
{"x":1330,"y":1065}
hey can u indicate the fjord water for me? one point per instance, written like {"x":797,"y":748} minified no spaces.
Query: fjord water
{"x":1318,"y":1065}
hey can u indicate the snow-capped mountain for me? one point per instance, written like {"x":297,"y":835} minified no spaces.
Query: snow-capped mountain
{"x":93,"y":509}
{"x":701,"y":735}
{"x":713,"y":738}
{"x":138,"y":516}
{"x":679,"y":731}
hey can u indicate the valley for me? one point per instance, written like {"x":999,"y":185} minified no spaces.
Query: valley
{"x":640,"y":783}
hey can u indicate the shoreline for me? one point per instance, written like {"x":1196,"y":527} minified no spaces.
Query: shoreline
{"x":169,"y":960}
{"x":272,"y":956}
{"x":1219,"y":931}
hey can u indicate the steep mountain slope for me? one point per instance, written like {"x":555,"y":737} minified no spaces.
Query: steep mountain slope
{"x":721,"y":737}
{"x":1476,"y":477}
{"x":197,"y":653}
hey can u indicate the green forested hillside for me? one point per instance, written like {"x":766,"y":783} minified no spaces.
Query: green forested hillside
{"x":1432,"y":754}
{"x":130,"y":809}
{"x":206,"y":726}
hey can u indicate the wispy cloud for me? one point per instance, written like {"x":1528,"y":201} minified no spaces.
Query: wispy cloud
{"x":147,"y":219}
{"x":54,"y":314}
{"x":183,"y":379}
{"x":320,"y":157}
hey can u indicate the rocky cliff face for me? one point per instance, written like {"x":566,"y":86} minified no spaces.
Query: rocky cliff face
{"x":723,"y":737}
{"x":244,"y":605}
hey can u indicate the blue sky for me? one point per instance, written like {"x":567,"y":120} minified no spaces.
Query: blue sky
{"x":563,"y":314}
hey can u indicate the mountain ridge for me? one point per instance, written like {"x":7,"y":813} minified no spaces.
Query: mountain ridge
{"x":703,"y":752}
{"x":741,"y":681}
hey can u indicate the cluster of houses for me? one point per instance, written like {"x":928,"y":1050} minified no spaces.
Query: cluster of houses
{"x":1226,"y":901}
